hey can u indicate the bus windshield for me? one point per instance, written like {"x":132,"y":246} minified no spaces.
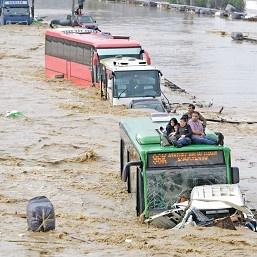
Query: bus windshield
{"x":141,"y":83}
{"x":16,"y":11}
{"x":112,"y":52}
{"x":165,"y":186}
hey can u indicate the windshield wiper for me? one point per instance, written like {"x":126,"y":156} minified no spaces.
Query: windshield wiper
{"x":122,"y":92}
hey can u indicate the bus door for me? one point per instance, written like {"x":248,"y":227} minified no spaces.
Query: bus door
{"x":103,"y":82}
{"x":135,"y":180}
{"x":95,"y":68}
{"x":106,"y":84}
{"x":110,"y":80}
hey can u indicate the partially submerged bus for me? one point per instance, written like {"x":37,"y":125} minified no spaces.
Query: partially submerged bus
{"x":158,"y":176}
{"x":124,"y":79}
{"x":75,"y":53}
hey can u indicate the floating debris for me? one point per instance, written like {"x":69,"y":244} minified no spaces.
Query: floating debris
{"x":14,"y":114}
{"x":40,"y":214}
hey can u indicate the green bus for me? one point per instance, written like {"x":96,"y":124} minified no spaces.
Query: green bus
{"x":158,"y":175}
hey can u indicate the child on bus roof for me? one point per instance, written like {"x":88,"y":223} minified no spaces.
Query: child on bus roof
{"x":183,"y":135}
{"x":172,"y":127}
{"x":177,"y":134}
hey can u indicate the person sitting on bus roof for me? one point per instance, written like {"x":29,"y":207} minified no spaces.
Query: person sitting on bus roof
{"x":190,"y":110}
{"x":183,"y":135}
{"x":198,"y":136}
{"x":172,"y":127}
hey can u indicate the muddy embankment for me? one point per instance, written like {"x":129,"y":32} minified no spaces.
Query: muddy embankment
{"x":67,"y":147}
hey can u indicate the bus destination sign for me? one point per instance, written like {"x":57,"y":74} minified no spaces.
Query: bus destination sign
{"x":181,"y":159}
{"x":23,"y":2}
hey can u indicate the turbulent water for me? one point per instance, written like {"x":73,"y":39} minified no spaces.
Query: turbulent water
{"x":67,"y":144}
{"x":188,"y":49}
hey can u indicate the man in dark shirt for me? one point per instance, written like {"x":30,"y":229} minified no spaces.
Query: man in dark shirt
{"x":190,"y":110}
{"x":183,"y":135}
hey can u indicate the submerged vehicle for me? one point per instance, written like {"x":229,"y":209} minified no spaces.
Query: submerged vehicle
{"x":221,"y":205}
{"x":152,"y":104}
{"x":216,"y":201}
{"x":15,"y":12}
{"x":159,"y":176}
{"x":237,"y":36}
{"x":85,"y":21}
{"x":75,"y":53}
{"x":124,"y":79}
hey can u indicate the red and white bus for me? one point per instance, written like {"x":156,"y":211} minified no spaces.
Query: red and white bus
{"x":75,"y":54}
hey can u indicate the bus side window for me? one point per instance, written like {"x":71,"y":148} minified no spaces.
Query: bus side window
{"x":49,"y":46}
{"x":87,"y":55}
{"x":60,"y":48}
{"x":54,"y":47}
{"x":73,"y":52}
{"x":80,"y":54}
{"x":66,"y":50}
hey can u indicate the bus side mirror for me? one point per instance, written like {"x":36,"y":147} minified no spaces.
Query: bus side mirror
{"x":160,"y":73}
{"x":126,"y":169}
{"x":147,"y":57}
{"x":235,"y":175}
{"x":112,"y":76}
{"x":168,"y":108}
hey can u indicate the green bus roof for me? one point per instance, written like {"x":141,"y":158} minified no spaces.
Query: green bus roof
{"x":142,"y":132}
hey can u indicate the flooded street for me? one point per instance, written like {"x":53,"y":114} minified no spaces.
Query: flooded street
{"x":67,"y":144}
{"x":188,"y":50}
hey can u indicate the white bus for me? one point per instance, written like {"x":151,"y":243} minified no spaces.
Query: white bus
{"x":124,"y":79}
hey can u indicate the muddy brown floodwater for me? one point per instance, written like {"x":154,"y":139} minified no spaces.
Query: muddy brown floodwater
{"x":67,"y":148}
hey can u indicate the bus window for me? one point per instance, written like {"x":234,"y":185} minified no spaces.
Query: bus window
{"x":136,"y":84}
{"x":80,"y":54}
{"x":112,"y":52}
{"x":87,"y":55}
{"x":73,"y":52}
{"x":48,"y":46}
{"x":59,"y":48}
{"x":66,"y":50}
{"x":165,"y":186}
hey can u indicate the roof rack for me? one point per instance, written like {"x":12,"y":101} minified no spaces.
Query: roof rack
{"x":75,"y":30}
